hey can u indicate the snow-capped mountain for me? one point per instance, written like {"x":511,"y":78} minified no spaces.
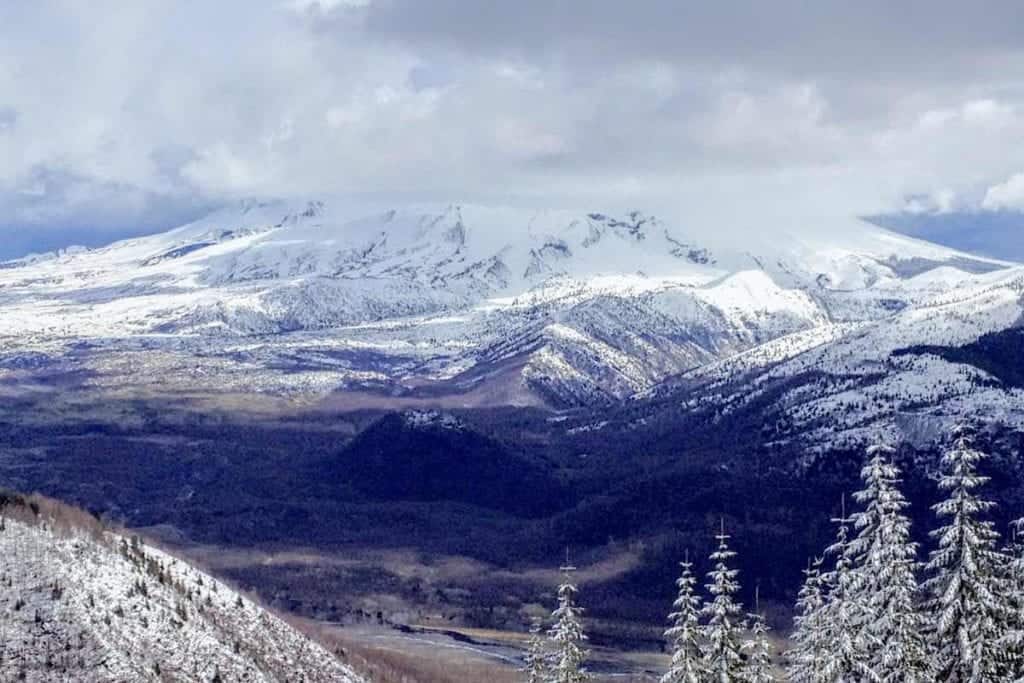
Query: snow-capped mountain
{"x":907,"y":377}
{"x":479,"y":305}
{"x":80,"y":603}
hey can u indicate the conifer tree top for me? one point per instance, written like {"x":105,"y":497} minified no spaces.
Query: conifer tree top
{"x":684,"y":634}
{"x":723,"y":614}
{"x":567,"y":635}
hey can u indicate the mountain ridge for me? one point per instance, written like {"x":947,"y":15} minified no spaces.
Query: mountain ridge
{"x":304,"y":300}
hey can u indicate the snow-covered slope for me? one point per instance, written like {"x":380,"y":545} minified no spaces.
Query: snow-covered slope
{"x":306,"y":299}
{"x":81,"y":604}
{"x":906,"y":377}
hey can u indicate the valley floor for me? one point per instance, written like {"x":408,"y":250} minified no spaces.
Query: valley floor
{"x":458,"y":655}
{"x":390,"y":638}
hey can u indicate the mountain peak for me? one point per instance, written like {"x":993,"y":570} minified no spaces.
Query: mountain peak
{"x":427,"y":294}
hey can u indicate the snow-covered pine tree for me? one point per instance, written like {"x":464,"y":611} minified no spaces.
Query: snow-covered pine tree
{"x":684,"y":633}
{"x":1013,"y":641}
{"x":805,"y":662}
{"x":885,"y":575}
{"x":758,"y":666}
{"x":722,"y":658}
{"x":846,"y":639}
{"x":535,"y":661}
{"x":970,"y":603}
{"x":567,"y":636}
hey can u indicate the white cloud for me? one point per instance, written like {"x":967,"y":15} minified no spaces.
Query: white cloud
{"x":977,"y":113}
{"x":939,"y":202}
{"x":685,"y":110}
{"x":988,"y":112}
{"x":220,"y":171}
{"x":325,"y":6}
{"x":1006,"y":195}
{"x":945,"y":200}
{"x":522,"y":139}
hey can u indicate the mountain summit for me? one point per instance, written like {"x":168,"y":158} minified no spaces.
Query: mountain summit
{"x":463,"y":305}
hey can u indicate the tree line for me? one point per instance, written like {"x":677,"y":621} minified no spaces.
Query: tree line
{"x":872,"y":607}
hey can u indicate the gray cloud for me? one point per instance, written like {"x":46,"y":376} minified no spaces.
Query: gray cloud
{"x":735,"y":111}
{"x":873,"y":39}
{"x":55,"y":209}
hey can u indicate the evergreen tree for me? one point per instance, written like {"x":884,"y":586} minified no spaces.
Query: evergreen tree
{"x":843,"y":620}
{"x":970,"y":595}
{"x":758,"y":667}
{"x":885,"y":576}
{"x":536,"y":660}
{"x":805,"y":662}
{"x":722,"y":658}
{"x":683,"y":635}
{"x":1013,"y":641}
{"x":567,"y":637}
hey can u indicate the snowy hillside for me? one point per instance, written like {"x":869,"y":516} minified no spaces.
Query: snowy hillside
{"x":81,"y":604}
{"x":909,"y":377}
{"x":490,"y":305}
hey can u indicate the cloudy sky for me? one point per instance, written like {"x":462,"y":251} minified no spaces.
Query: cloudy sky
{"x":122,"y":117}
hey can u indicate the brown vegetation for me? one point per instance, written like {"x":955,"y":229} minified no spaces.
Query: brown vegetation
{"x":38,"y":509}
